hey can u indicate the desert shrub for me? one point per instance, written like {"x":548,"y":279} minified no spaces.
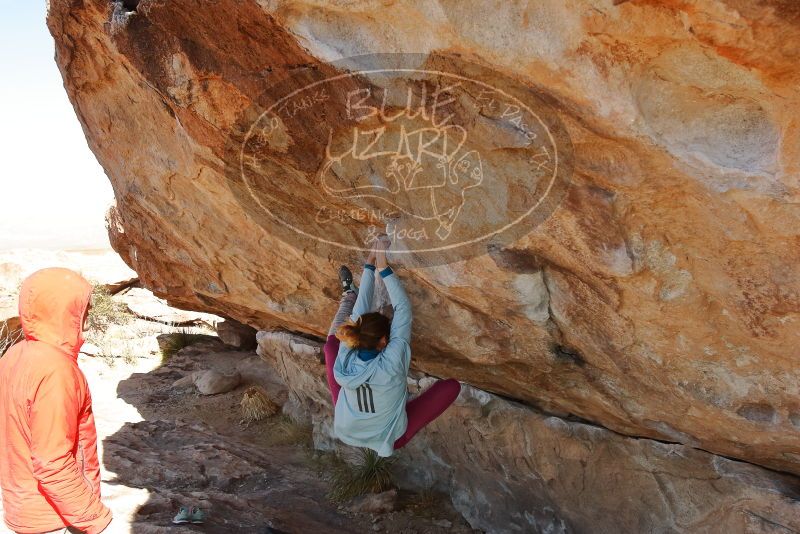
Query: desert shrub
{"x":370,"y":474}
{"x":106,"y":311}
{"x":256,"y":405}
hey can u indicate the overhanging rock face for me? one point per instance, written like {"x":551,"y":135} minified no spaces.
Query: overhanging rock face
{"x":509,"y":468}
{"x":656,"y":296}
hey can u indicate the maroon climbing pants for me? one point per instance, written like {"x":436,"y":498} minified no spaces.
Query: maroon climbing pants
{"x":420,"y":411}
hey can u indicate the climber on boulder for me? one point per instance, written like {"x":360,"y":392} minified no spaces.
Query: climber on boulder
{"x":367,"y":356}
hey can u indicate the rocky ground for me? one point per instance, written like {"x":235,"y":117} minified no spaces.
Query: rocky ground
{"x":194,"y":449}
{"x":164,"y":445}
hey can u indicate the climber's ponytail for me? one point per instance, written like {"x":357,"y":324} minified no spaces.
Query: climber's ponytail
{"x":366,"y":332}
{"x":348,"y":334}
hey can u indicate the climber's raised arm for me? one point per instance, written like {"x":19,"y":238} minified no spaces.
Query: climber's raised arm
{"x":365,"y":289}
{"x":401,"y":321}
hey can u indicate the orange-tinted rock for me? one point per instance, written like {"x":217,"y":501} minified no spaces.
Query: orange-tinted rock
{"x":660,"y":299}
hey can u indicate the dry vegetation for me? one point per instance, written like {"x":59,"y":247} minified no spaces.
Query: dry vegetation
{"x":8,"y":337}
{"x":369,"y":474}
{"x":256,"y":405}
{"x":106,"y":311}
{"x":171,"y":343}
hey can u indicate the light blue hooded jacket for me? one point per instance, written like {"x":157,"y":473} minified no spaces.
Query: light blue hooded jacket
{"x":371,"y":408}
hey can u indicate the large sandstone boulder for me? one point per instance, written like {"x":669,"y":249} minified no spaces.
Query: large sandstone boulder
{"x":658,"y":297}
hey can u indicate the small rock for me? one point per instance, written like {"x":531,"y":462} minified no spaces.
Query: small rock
{"x":213,"y":382}
{"x":443,"y":523}
{"x":235,"y":334}
{"x":376,"y":503}
{"x":185,"y":381}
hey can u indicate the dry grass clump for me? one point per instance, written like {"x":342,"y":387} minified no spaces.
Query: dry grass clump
{"x":256,"y":405}
{"x":176,"y":341}
{"x":370,"y":474}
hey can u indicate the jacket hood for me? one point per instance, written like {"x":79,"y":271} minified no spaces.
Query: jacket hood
{"x":52,"y":303}
{"x":351,"y":371}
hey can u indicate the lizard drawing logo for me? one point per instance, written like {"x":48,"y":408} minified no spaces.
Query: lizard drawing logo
{"x":422,"y":170}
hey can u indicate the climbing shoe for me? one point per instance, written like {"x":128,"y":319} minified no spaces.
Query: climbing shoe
{"x":198,"y":516}
{"x":346,"y":278}
{"x":184,"y":516}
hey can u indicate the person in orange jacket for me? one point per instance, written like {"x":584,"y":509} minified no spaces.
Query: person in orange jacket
{"x":49,"y":470}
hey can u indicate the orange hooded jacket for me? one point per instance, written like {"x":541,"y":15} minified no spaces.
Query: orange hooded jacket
{"x":49,"y":471}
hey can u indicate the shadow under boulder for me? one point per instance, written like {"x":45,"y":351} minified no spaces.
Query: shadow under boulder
{"x":510,"y":468}
{"x":243,"y":487}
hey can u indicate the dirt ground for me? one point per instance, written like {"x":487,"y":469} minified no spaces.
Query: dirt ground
{"x":163,"y":446}
{"x":251,"y":477}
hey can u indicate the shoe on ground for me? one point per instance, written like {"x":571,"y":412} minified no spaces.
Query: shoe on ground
{"x":184,"y":516}
{"x":197,"y":516}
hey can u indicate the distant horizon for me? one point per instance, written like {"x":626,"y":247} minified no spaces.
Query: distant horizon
{"x":59,"y":192}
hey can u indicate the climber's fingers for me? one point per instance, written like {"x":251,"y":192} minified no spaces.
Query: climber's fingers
{"x":383,"y":242}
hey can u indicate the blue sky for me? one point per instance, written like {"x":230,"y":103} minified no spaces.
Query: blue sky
{"x":54,"y":193}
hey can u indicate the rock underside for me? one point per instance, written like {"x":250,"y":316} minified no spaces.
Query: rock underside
{"x":509,"y":468}
{"x":659,"y":300}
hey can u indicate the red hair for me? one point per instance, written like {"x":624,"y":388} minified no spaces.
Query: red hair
{"x":366,"y":332}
